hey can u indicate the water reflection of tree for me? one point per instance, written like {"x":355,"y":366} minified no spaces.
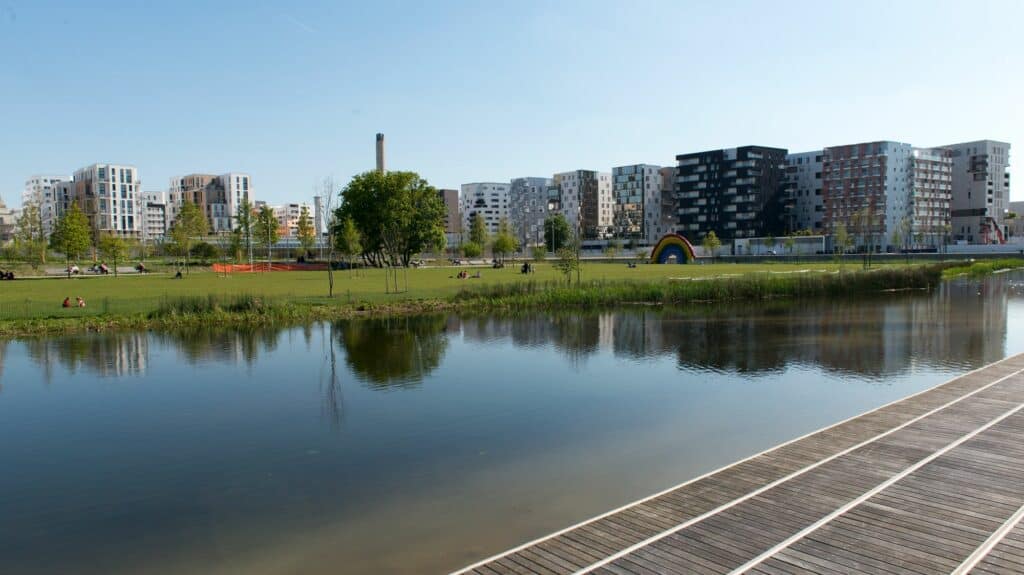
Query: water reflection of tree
{"x":394,"y":352}
{"x":333,"y":405}
{"x":3,"y":357}
{"x":212,"y":343}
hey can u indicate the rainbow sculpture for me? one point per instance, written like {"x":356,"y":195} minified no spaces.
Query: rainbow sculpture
{"x":672,"y":245}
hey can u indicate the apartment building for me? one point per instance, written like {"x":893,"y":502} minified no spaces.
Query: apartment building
{"x":452,"y":218}
{"x":638,"y":207}
{"x":737,"y":193}
{"x":530,"y":204}
{"x":803,"y":172}
{"x":154,"y":214}
{"x":8,"y":221}
{"x":40,"y":190}
{"x":218,"y":197}
{"x":586,"y":201}
{"x":288,"y":215}
{"x":489,"y":199}
{"x":889,"y":195}
{"x":981,"y":191}
{"x":668,"y":222}
{"x":108,"y":195}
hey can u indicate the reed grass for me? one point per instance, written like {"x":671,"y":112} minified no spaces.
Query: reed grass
{"x":753,"y":287}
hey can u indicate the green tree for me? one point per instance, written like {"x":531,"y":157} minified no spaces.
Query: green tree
{"x":478,"y":230}
{"x":190,"y":225}
{"x":568,"y":262}
{"x":613,"y":248}
{"x":768,"y":241}
{"x":235,"y":243}
{"x":840,"y":241}
{"x":398,"y":215}
{"x":265,"y":230}
{"x":539,"y":253}
{"x":307,"y":235}
{"x":505,"y":242}
{"x":114,"y":249}
{"x":789,"y":243}
{"x":30,"y":239}
{"x":711,"y":243}
{"x":243,"y":224}
{"x":349,"y":242}
{"x":472,"y":250}
{"x":71,"y":236}
{"x":556,"y":232}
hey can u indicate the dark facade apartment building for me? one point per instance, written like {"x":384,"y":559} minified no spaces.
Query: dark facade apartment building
{"x":737,"y":193}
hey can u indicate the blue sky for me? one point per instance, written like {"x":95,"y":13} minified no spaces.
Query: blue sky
{"x":474,"y":91}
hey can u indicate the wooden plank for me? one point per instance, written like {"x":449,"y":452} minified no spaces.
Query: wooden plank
{"x":922,"y":523}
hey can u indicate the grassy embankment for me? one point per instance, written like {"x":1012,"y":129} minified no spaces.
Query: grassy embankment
{"x":982,"y":268}
{"x":32,"y":306}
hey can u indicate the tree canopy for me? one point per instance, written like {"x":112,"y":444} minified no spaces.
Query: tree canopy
{"x":556,"y":232}
{"x":243,"y":223}
{"x":113,"y":248}
{"x":505,"y":241}
{"x":72,"y":236}
{"x":348,"y":240}
{"x":478,"y":230}
{"x":30,"y":237}
{"x":265,"y":229}
{"x":307,"y":235}
{"x":188,"y":226}
{"x":711,"y":243}
{"x":398,"y":214}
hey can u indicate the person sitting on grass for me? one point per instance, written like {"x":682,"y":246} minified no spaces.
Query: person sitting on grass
{"x":67,"y":302}
{"x":81,"y":302}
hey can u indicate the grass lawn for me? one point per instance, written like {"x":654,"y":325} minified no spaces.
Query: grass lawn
{"x":130,"y":294}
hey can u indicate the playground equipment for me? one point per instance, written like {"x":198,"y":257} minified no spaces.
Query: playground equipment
{"x":672,"y":245}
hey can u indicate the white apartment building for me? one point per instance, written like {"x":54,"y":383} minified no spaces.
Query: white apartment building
{"x":218,"y":196}
{"x":981,"y":191}
{"x":803,"y":172}
{"x":638,"y":212}
{"x":531,"y":201}
{"x":154,"y":213}
{"x":39,"y":190}
{"x":489,"y":199}
{"x":586,"y":201}
{"x":109,"y":196}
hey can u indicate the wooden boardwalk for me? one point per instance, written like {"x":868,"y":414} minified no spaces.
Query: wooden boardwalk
{"x":933,"y":483}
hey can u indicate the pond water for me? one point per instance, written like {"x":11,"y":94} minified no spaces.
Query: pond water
{"x":419,"y":445}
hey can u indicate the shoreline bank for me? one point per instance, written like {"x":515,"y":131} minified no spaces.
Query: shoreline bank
{"x":242,"y":311}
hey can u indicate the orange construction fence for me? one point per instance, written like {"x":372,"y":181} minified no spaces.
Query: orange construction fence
{"x":264,"y":267}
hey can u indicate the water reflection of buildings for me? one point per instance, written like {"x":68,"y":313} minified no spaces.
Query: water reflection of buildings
{"x":955,"y":326}
{"x":222,"y":345}
{"x":963,"y":324}
{"x":104,"y":354}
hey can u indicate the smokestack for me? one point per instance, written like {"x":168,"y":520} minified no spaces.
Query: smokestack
{"x":380,"y":153}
